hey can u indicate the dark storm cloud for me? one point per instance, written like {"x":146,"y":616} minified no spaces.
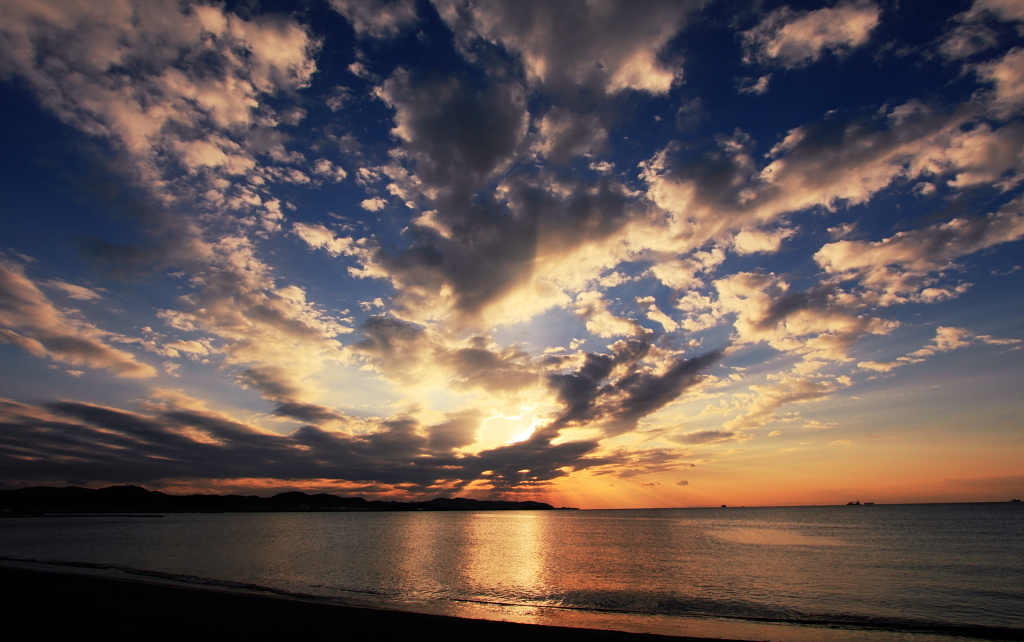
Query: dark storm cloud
{"x":388,"y":338}
{"x":608,"y":47}
{"x":63,"y":440}
{"x":580,"y":389}
{"x":818,"y":298}
{"x":535,"y":461}
{"x":646,"y":392}
{"x":618,"y":405}
{"x":458,"y":132}
{"x":397,"y":348}
{"x":483,"y":251}
{"x":306,"y":412}
{"x":66,"y":439}
{"x":277,"y":385}
{"x":408,"y":352}
{"x":488,"y":253}
{"x":458,"y":431}
{"x":273,"y":382}
{"x":503,"y":370}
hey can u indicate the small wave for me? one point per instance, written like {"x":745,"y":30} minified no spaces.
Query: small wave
{"x":748,"y":612}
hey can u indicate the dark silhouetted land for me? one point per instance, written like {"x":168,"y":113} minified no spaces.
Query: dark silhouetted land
{"x":135,"y":499}
{"x":43,"y":605}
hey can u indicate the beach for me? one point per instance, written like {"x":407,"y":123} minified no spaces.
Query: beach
{"x":77,"y":605}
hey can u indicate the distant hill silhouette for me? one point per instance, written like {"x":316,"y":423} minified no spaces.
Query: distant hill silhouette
{"x":136,"y":499}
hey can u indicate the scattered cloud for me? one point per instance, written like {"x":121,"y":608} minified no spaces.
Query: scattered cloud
{"x":945,"y":339}
{"x":76,"y":292}
{"x":29,"y":320}
{"x":798,"y":38}
{"x":374,"y":204}
{"x":377,"y":18}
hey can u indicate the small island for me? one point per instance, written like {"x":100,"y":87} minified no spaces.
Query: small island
{"x":42,"y":500}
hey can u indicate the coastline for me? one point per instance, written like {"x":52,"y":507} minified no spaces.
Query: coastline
{"x":55,"y":602}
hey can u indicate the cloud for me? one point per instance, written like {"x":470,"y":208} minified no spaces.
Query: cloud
{"x":1007,"y":10}
{"x":821,"y":323}
{"x":377,"y":18}
{"x":655,"y":314}
{"x":564,"y":135}
{"x":704,"y":437}
{"x":146,"y":74}
{"x":682,"y":274}
{"x":177,"y":91}
{"x":499,"y":370}
{"x":840,"y":160}
{"x":754,"y":85}
{"x":76,"y":292}
{"x":637,"y":391}
{"x":786,"y":389}
{"x":1007,"y":74}
{"x":600,"y":321}
{"x":727,"y":198}
{"x":760,"y":241}
{"x":797,"y":38}
{"x":329,"y":170}
{"x":457,"y":133}
{"x":414,"y":354}
{"x":609,"y":45}
{"x":29,"y":320}
{"x":946,"y":339}
{"x":899,"y":268}
{"x":174,"y":439}
{"x":317,"y":236}
{"x":682,"y":483}
{"x":457,"y":431}
{"x":374,"y":204}
{"x":233,"y":296}
{"x":483,"y":262}
{"x":971,"y":36}
{"x":627,"y":463}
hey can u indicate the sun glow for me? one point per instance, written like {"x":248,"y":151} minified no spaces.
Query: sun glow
{"x":508,"y":429}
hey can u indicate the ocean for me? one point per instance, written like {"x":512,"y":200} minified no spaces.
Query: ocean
{"x":921,"y":573}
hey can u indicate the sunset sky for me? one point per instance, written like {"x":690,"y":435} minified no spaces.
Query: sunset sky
{"x":601,"y":254}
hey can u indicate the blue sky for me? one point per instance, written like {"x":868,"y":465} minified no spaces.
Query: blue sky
{"x":600,"y":253}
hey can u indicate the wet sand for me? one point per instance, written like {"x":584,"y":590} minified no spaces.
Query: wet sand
{"x":41,"y":604}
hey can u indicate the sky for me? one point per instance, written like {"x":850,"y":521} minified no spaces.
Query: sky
{"x":599,"y":253}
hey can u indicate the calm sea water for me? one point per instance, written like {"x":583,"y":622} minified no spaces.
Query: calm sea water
{"x":916,"y":572}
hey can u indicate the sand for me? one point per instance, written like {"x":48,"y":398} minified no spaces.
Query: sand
{"x":38,"y":605}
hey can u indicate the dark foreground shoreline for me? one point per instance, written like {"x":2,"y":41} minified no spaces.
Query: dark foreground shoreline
{"x":41,"y":604}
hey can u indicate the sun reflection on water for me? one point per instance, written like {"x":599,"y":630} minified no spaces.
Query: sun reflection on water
{"x":508,"y":551}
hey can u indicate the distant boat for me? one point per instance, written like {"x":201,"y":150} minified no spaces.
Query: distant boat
{"x":1014,"y":501}
{"x":856,"y":503}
